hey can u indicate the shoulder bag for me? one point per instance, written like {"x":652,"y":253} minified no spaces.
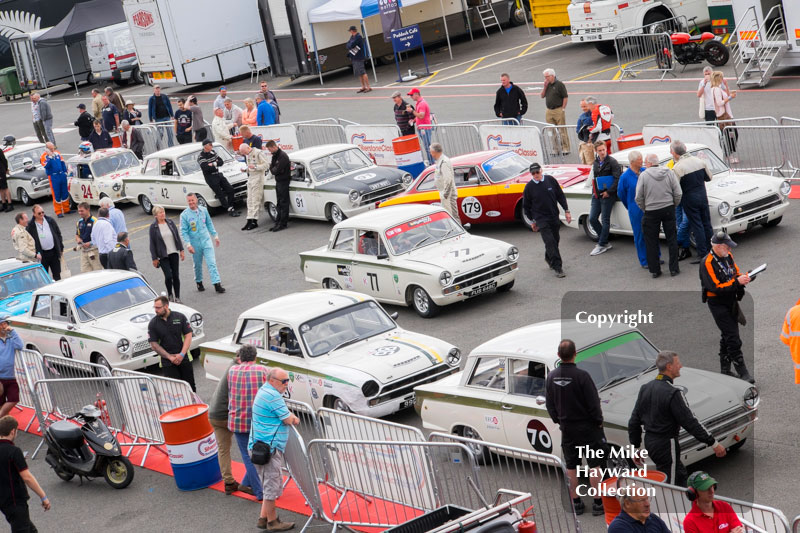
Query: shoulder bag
{"x":262,"y":452}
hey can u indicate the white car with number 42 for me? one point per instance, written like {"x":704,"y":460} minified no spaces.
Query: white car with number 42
{"x":414,"y":255}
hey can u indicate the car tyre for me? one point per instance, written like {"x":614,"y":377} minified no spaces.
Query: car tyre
{"x":422,"y":303}
{"x":481,"y":453}
{"x":24,"y":197}
{"x":329,"y":283}
{"x":136,"y":76}
{"x":272,"y":210}
{"x":100,"y":359}
{"x":525,"y":220}
{"x":771,"y":224}
{"x":72,"y":205}
{"x":507,"y":287}
{"x":738,"y":445}
{"x":337,"y":404}
{"x":335,"y":213}
{"x":147,"y":205}
{"x":588,"y":230}
{"x":202,"y":201}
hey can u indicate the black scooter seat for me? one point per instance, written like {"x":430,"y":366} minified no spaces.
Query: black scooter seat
{"x":67,"y":434}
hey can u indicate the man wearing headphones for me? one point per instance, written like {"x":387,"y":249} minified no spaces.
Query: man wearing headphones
{"x":708,"y":515}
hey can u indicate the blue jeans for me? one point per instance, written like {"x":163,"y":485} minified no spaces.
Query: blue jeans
{"x":683,"y":227}
{"x":251,"y":478}
{"x":425,"y":139}
{"x":695,"y":207}
{"x":165,"y":132}
{"x":635,"y":215}
{"x":205,"y":250}
{"x":508,"y":122}
{"x":601,"y":209}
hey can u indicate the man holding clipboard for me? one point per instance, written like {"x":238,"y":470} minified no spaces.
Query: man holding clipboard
{"x":606,"y":172}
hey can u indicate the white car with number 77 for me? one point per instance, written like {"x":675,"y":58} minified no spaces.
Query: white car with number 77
{"x":414,"y":255}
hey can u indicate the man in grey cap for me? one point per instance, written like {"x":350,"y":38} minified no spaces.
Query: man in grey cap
{"x":403,"y":114}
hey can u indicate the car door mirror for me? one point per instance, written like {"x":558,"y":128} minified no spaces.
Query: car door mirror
{"x":394,"y":315}
{"x":473,"y":180}
{"x":71,"y":327}
{"x":383,"y":255}
{"x":540,"y":400}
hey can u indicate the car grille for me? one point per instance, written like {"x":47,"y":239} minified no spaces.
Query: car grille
{"x":483,"y":274}
{"x":751,"y":208}
{"x":239,"y":189}
{"x":405,"y":386}
{"x":720,"y":425}
{"x":382,"y":194}
{"x":142,"y":348}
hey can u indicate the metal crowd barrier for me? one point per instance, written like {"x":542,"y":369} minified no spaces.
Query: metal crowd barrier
{"x":161,"y":135}
{"x":350,"y":426}
{"x":648,"y":47}
{"x":317,"y":134}
{"x":764,"y":149}
{"x":457,"y":138}
{"x":171,"y":393}
{"x":789,"y":121}
{"x":670,"y":503}
{"x":543,"y":475}
{"x":552,"y":145}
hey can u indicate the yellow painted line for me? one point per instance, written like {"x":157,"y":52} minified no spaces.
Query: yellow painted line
{"x":617,"y":75}
{"x":138,"y":228}
{"x":526,"y":50}
{"x":725,"y":38}
{"x":595,"y":73}
{"x":475,"y":64}
{"x":435,"y":72}
{"x":286,"y":82}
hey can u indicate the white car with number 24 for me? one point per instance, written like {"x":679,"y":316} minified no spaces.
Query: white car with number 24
{"x":414,"y":255}
{"x":341,"y":351}
{"x":101,"y":173}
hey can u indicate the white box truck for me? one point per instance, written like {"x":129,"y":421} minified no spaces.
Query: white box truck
{"x":39,"y":67}
{"x":195,"y":41}
{"x":112,"y":55}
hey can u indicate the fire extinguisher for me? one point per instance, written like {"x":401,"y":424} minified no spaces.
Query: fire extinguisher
{"x":101,"y":404}
{"x":527,"y":526}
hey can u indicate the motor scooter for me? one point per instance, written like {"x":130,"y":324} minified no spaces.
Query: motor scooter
{"x":86,"y":449}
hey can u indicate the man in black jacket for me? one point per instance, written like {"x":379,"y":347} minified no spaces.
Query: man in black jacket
{"x":209,"y":163}
{"x":281,"y":170}
{"x":85,"y":123}
{"x":47,"y":237}
{"x":663,"y":410}
{"x":573,"y":403}
{"x":540,"y":201}
{"x":510,"y":102}
{"x":606,"y":172}
{"x":132,"y":138}
{"x":121,"y":257}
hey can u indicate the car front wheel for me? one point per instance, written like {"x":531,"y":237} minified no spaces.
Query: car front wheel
{"x":336,"y":214}
{"x":771,"y":224}
{"x":330,"y":284}
{"x":479,"y":451}
{"x":272,"y":210}
{"x":423,"y":304}
{"x":588,"y":230}
{"x":24,"y":197}
{"x":147,"y":205}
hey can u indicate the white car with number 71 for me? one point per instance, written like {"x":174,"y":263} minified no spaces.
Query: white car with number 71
{"x":414,"y":255}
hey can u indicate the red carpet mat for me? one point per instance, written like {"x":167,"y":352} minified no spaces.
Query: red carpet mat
{"x":353,"y":506}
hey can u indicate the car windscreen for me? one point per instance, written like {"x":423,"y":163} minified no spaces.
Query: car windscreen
{"x":15,"y":161}
{"x":344,"y":326}
{"x":22,"y":281}
{"x":505,"y":166}
{"x":189,"y":165}
{"x":339,"y":163}
{"x":112,"y":298}
{"x":422,"y":232}
{"x":716,"y":165}
{"x":617,"y":359}
{"x":115,"y":163}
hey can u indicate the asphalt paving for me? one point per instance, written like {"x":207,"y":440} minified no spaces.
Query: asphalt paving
{"x":256,"y":266}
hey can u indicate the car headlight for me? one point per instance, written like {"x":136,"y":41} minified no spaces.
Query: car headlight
{"x":354,"y":196}
{"x":407,"y":179}
{"x":445,"y":278}
{"x":370,"y":388}
{"x":724,"y":208}
{"x":512,"y":254}
{"x":196,"y":320}
{"x":453,"y":356}
{"x":786,"y":188}
{"x":751,"y":398}
{"x":123,"y":345}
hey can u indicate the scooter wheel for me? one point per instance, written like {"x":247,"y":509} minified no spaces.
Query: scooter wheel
{"x":118,"y":472}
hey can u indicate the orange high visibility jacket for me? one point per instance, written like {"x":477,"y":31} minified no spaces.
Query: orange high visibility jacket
{"x":790,"y":336}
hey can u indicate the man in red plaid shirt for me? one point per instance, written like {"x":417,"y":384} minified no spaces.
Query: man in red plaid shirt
{"x":244,"y":380}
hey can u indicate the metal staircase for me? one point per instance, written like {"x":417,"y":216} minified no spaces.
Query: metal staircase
{"x":487,"y":16}
{"x":759,"y":48}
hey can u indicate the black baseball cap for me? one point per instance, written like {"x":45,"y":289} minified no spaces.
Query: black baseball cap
{"x":207,"y":141}
{"x":721,"y":237}
{"x":81,"y":106}
{"x":535,"y":167}
{"x":352,"y":28}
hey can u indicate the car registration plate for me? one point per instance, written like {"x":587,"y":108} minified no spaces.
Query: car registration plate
{"x":163,"y":75}
{"x":594,"y":37}
{"x":760,"y":220}
{"x":407,"y":402}
{"x":480,"y":289}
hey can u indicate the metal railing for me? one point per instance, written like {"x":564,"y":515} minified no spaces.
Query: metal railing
{"x":350,"y":426}
{"x":543,"y":475}
{"x":318,"y":134}
{"x":789,"y":121}
{"x":171,"y":393}
{"x":670,"y":503}
{"x":757,"y":46}
{"x":457,"y":138}
{"x":648,"y":47}
{"x":552,"y":144}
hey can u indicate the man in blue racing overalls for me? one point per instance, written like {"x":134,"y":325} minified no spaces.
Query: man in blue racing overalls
{"x":197,"y":231}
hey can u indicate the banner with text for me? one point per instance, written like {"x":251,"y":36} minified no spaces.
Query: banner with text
{"x":524,"y":140}
{"x":390,"y":17}
{"x":666,"y":133}
{"x":285,"y":136}
{"x":375,"y":140}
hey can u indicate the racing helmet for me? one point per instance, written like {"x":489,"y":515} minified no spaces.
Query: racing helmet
{"x":85,"y":148}
{"x":27,"y":163}
{"x":9,"y":141}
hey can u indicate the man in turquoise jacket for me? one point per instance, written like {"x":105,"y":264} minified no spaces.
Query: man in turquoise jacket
{"x":197,"y":231}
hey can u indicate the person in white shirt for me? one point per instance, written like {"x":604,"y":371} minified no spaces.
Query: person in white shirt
{"x":232,"y":113}
{"x":704,"y":92}
{"x":221,"y":129}
{"x":116,"y":216}
{"x":219,"y":101}
{"x":104,"y":236}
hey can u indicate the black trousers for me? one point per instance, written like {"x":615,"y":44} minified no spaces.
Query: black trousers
{"x":51,"y":259}
{"x":104,"y":260}
{"x":651,"y":226}
{"x":200,"y":135}
{"x":184,"y":138}
{"x":549,"y":230}
{"x":222,"y":189}
{"x":695,"y":207}
{"x":183,"y":371}
{"x":730,"y":343}
{"x":19,"y":518}
{"x":282,"y":192}
{"x":666,"y":454}
{"x":169,"y":266}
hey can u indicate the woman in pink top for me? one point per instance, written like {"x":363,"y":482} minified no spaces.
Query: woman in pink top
{"x":722,"y":107}
{"x":250,"y":112}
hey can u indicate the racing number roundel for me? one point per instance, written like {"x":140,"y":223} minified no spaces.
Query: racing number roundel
{"x":66,"y":349}
{"x":539,"y":437}
{"x":472,"y":207}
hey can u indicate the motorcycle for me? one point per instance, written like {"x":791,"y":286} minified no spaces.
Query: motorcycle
{"x":87,"y":450}
{"x":692,"y":49}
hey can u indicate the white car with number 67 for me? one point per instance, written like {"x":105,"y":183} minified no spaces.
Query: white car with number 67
{"x":100,"y":317}
{"x":412,"y":254}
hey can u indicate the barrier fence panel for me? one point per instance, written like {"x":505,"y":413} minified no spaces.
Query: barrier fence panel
{"x":789,"y":121}
{"x":638,"y":52}
{"x":297,"y":463}
{"x":169,"y":393}
{"x":284,"y":135}
{"x":755,"y":148}
{"x":747,"y":121}
{"x":317,"y":134}
{"x":375,"y":139}
{"x":457,"y":138}
{"x":670,"y":503}
{"x":706,"y":134}
{"x":524,"y":140}
{"x":543,"y":475}
{"x":350,"y":426}
{"x":307,"y":430}
{"x":150,"y":136}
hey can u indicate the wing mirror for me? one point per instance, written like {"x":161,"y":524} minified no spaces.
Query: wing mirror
{"x":540,"y":400}
{"x":473,"y":180}
{"x":394,"y":315}
{"x":384,"y":255}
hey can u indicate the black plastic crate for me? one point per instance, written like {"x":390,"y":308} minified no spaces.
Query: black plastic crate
{"x":430,"y":520}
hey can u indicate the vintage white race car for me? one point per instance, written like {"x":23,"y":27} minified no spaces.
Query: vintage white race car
{"x":412,"y":254}
{"x":169,"y":174}
{"x":499,"y":397}
{"x":27,"y":185}
{"x":335,"y":181}
{"x":738,"y":201}
{"x":100,"y":174}
{"x":341,"y":350}
{"x":100,"y":317}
